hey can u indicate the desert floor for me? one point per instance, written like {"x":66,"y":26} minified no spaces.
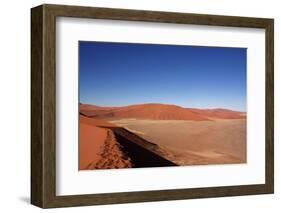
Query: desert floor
{"x":193,"y":142}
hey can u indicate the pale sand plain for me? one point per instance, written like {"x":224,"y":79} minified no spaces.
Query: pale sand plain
{"x":220,"y":141}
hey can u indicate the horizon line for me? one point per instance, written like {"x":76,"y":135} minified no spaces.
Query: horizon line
{"x":150,"y":103}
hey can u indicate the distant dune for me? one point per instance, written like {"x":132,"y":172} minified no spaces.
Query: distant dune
{"x":95,"y":122}
{"x":158,"y":112}
{"x":219,"y":113}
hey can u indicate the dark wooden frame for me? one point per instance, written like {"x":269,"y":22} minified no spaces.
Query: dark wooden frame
{"x":43,"y":105}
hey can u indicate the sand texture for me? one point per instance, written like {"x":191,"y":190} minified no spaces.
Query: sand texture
{"x":98,"y":147}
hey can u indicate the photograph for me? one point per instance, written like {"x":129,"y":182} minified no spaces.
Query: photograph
{"x":161,"y":105}
{"x":137,"y":105}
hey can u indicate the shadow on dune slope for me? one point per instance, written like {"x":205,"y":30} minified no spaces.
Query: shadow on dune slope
{"x":142,"y":153}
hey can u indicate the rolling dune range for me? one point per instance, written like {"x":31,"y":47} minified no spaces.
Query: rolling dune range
{"x":155,"y":135}
{"x":158,"y":112}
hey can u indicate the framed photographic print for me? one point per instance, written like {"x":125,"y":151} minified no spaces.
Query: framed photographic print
{"x":135,"y":106}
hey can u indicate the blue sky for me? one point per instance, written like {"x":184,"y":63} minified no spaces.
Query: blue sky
{"x":120,"y":74}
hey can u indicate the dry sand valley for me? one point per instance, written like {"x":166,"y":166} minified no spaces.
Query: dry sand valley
{"x":194,"y":142}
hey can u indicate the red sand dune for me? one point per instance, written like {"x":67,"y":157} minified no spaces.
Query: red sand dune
{"x":89,"y":107}
{"x":91,"y":140}
{"x":98,"y":147}
{"x":105,"y":146}
{"x":220,"y":113}
{"x":95,"y":122}
{"x":158,"y":112}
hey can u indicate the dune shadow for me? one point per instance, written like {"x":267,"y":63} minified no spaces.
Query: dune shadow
{"x":139,"y":150}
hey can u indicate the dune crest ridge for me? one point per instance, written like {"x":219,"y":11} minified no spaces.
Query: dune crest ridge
{"x":99,"y":147}
{"x":106,"y":146}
